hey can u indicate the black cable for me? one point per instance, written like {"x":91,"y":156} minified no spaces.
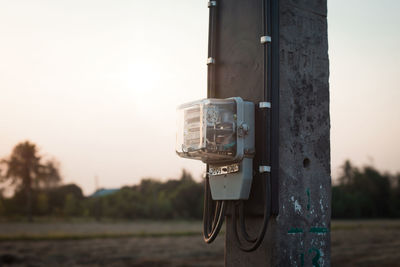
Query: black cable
{"x":211,"y":228}
{"x":212,"y":35}
{"x":210,"y":26}
{"x":253,"y":245}
{"x":214,"y":211}
{"x":264,"y":49}
{"x":268,"y":59}
{"x":264,"y":156}
{"x":242,"y":222}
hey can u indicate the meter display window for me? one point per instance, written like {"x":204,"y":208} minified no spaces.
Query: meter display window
{"x":221,"y":129}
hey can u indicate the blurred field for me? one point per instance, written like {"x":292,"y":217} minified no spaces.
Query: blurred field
{"x":354,"y":243}
{"x":85,"y":230}
{"x":366,"y":243}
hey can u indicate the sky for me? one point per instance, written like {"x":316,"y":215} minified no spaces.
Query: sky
{"x":95,"y":84}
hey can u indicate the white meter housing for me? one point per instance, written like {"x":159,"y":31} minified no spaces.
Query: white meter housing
{"x":220,"y":132}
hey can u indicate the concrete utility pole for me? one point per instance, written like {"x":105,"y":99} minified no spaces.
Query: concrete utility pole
{"x":300,"y":234}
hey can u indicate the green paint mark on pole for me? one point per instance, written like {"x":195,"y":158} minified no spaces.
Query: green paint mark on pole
{"x":302,"y":259}
{"x":316,"y":257}
{"x":319,"y":230}
{"x":295,"y":230}
{"x":308,"y":198}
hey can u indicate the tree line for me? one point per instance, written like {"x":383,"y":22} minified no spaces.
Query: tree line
{"x":359,"y":193}
{"x":39,"y":192}
{"x":151,"y":199}
{"x":365,"y":193}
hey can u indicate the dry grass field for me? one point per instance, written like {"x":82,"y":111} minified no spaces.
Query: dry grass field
{"x":365,"y":243}
{"x":354,"y":243}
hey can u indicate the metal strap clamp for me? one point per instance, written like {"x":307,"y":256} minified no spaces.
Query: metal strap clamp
{"x":263,"y":169}
{"x":265,"y":39}
{"x":210,"y":60}
{"x":212,"y":3}
{"x":265,"y":104}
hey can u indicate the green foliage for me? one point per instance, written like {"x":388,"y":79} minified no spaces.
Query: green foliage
{"x":71,"y":205}
{"x":187,"y":199}
{"x":365,"y":193}
{"x":2,"y":207}
{"x":48,"y":202}
{"x":65,"y":200}
{"x":25,"y":170}
{"x":23,"y":165}
{"x":395,"y":197}
{"x":49,"y":175}
{"x":361,"y":193}
{"x":42,"y":203}
{"x":152,"y":199}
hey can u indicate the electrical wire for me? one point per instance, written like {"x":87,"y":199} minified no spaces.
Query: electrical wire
{"x":252,"y":243}
{"x":264,"y":50}
{"x":212,"y":32}
{"x":214,"y":211}
{"x":211,"y":228}
{"x":244,"y":240}
{"x":242,"y":222}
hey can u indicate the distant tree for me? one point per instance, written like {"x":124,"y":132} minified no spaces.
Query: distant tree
{"x":22,"y":168}
{"x":58,"y":195}
{"x":49,"y":175}
{"x":2,"y":208}
{"x":396,"y":195}
{"x":25,"y":170}
{"x":363,"y":193}
{"x":71,"y":205}
{"x":347,"y":173}
{"x":151,"y":199}
{"x":186,"y":176}
{"x":42,"y":203}
{"x":2,"y":178}
{"x":187,"y":198}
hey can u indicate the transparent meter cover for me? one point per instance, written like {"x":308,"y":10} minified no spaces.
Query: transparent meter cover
{"x":207,"y":130}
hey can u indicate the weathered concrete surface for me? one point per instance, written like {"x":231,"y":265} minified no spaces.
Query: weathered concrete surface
{"x":300,"y":235}
{"x":303,"y":237}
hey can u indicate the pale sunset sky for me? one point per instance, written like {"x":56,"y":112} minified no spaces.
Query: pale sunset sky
{"x":95,"y":83}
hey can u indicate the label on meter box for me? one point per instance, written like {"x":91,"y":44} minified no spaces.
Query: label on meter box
{"x":222,"y":170}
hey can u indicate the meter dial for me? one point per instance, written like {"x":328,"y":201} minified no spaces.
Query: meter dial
{"x":212,"y":115}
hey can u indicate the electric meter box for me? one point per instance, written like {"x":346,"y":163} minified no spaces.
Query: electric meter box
{"x":220,"y":132}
